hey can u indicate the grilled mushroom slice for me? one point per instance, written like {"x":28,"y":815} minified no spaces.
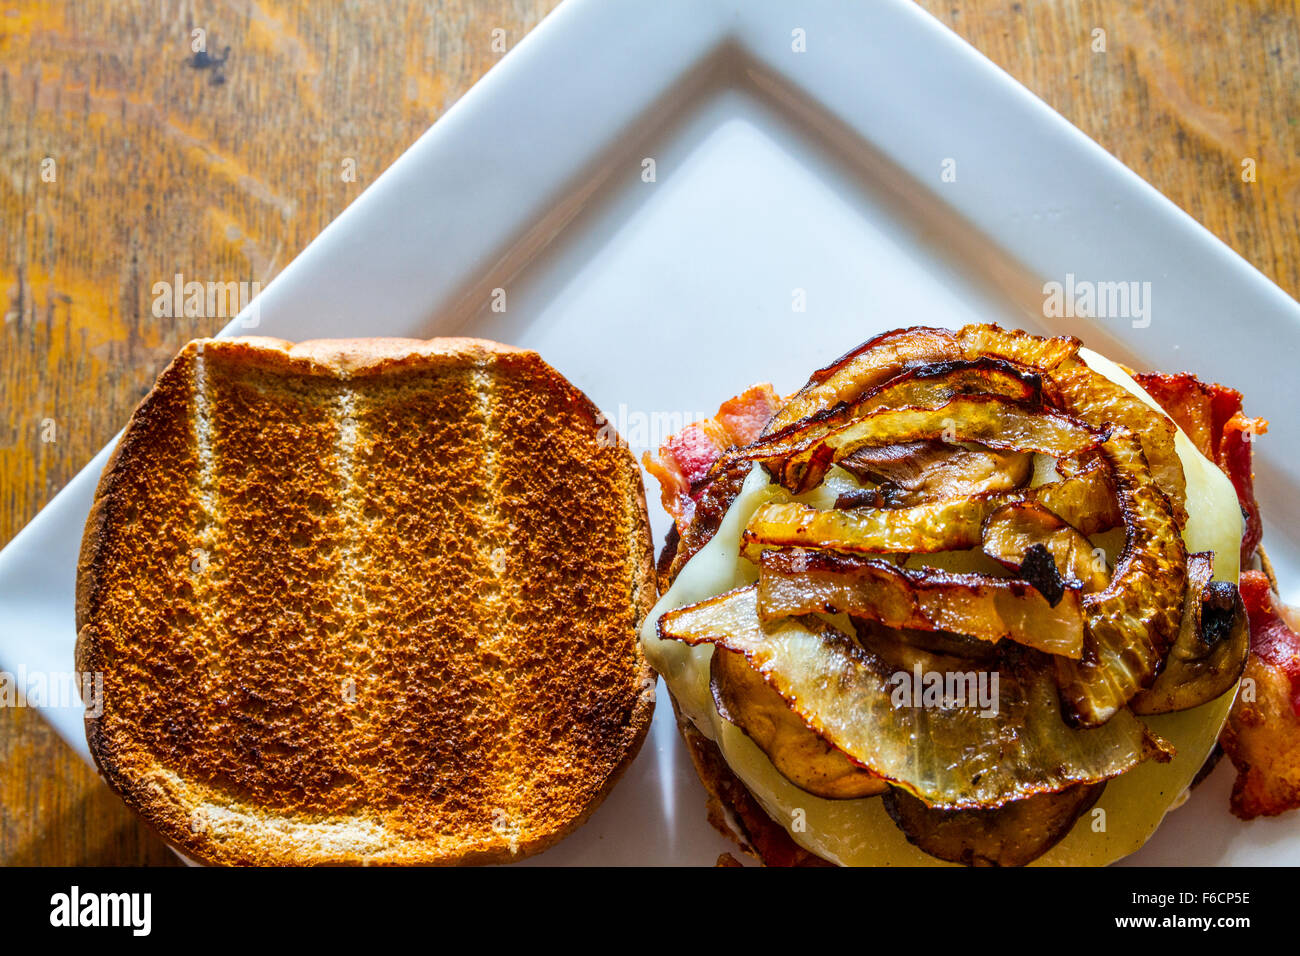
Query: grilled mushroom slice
{"x":1013,"y":834}
{"x":743,"y":698}
{"x":1210,"y":652}
{"x":915,"y":472}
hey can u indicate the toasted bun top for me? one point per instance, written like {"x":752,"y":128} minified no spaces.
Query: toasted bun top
{"x":369,"y":600}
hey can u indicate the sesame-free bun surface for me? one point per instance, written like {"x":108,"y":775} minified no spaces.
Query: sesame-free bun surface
{"x":365,"y":601}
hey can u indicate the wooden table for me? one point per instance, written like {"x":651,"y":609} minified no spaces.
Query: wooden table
{"x":125,"y":158}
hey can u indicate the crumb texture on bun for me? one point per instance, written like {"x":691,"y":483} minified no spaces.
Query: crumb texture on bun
{"x":365,"y":601}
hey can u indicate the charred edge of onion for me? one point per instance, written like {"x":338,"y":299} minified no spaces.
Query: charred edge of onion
{"x":793,"y":467}
{"x":1219,"y":602}
{"x":1039,"y":569}
{"x":991,"y":339}
{"x":754,"y":539}
{"x":921,"y":371}
{"x":826,"y":371}
{"x":972,"y":342}
{"x":924,"y":591}
{"x":793,"y":560}
{"x":863,"y":498}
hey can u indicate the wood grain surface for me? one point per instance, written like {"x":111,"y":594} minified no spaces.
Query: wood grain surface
{"x":126,"y":158}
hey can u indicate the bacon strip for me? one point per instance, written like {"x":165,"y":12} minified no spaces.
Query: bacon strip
{"x":1262,"y":736}
{"x":1211,"y":415}
{"x":685,"y":459}
{"x":1271,"y":638}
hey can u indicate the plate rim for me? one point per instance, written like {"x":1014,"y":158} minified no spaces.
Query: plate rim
{"x":674,"y":37}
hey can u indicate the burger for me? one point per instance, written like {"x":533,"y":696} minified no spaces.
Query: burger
{"x":967,"y":596}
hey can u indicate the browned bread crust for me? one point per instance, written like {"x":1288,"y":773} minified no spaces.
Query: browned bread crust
{"x":365,"y":601}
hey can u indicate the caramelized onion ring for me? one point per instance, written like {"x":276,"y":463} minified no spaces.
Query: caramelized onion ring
{"x":1131,"y":623}
{"x":924,"y":386}
{"x":881,"y":358}
{"x":852,"y":375}
{"x":989,"y":420}
{"x":1095,"y":399}
{"x":977,"y":605}
{"x":1086,"y":500}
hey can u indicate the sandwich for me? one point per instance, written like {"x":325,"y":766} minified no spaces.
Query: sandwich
{"x":365,"y":601}
{"x":970,"y":597}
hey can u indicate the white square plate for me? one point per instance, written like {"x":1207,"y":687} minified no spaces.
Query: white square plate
{"x":782,"y":176}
